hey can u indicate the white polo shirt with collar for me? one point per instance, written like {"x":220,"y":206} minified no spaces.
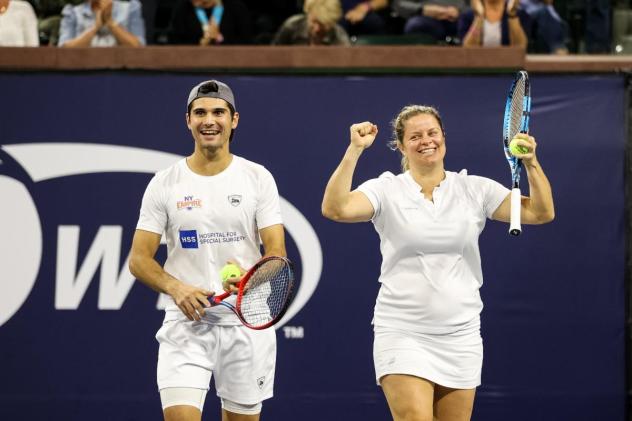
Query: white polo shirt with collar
{"x":431,"y":268}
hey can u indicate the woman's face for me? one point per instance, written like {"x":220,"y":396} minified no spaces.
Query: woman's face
{"x":423,"y":143}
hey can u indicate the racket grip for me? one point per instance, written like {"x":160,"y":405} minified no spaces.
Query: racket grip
{"x":514,"y":221}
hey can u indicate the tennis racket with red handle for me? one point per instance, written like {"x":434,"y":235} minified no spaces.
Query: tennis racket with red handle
{"x":265,"y":293}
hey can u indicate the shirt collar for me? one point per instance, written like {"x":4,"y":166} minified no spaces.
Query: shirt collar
{"x":411,"y":183}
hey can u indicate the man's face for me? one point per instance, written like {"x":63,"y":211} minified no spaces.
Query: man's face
{"x":210,"y":123}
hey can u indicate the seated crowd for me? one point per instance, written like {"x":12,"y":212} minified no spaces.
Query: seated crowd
{"x":532,"y":24}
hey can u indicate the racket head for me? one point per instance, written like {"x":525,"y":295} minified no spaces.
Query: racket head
{"x":265,"y":292}
{"x":516,"y":119}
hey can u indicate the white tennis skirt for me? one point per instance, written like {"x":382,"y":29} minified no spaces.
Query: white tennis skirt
{"x":452,"y":360}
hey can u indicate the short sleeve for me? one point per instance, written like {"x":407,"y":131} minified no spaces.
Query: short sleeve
{"x":374,"y":191}
{"x":489,"y":194}
{"x":153,"y":212}
{"x":268,"y":211}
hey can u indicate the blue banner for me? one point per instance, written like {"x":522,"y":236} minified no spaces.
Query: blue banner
{"x":77,"y":151}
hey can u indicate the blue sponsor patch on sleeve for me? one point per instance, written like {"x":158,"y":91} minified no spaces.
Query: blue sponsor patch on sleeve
{"x":189,"y":239}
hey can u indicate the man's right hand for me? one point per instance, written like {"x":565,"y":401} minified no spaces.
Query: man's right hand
{"x":191,"y":300}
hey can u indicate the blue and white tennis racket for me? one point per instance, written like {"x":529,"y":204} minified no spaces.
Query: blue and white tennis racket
{"x":516,"y":120}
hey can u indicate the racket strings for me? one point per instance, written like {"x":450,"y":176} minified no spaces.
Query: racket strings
{"x":517,"y":108}
{"x":266,"y":293}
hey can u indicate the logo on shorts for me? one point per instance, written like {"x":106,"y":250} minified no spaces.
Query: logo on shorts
{"x":261,"y":381}
{"x":189,"y":239}
{"x":234,"y":199}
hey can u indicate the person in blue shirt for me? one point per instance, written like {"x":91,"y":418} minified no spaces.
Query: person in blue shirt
{"x":102,"y":23}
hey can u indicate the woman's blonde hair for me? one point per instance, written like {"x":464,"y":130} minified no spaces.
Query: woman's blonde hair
{"x":328,"y":12}
{"x":399,"y":125}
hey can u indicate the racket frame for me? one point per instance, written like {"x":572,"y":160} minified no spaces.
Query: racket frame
{"x":219,"y":299}
{"x":515,"y":164}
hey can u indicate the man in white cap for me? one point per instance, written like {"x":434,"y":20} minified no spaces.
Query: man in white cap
{"x":213,"y":207}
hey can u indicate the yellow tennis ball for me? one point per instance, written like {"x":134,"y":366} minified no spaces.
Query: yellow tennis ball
{"x":516,"y":149}
{"x":230,"y":271}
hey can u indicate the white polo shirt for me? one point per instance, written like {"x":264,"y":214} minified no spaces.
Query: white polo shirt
{"x":208,"y":220}
{"x":431,"y":268}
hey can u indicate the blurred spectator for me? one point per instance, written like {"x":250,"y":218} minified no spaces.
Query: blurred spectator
{"x":597,"y":36}
{"x":49,"y":19}
{"x":206,"y":22}
{"x":268,"y":15}
{"x":433,"y":17}
{"x":149,"y":10}
{"x":362,"y":17}
{"x":491,"y":23}
{"x":18,"y":24}
{"x":548,"y":30}
{"x":316,"y":26}
{"x":102,"y":23}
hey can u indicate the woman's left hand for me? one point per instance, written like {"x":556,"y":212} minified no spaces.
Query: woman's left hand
{"x":529,"y":143}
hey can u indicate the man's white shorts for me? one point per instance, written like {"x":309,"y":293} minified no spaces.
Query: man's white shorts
{"x":241,"y":359}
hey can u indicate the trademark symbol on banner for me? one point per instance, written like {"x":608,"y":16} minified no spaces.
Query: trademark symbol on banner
{"x":293,"y":332}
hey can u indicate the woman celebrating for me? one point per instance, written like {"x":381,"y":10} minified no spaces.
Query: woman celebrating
{"x":428,"y":350}
{"x":492,"y":23}
{"x":102,"y":23}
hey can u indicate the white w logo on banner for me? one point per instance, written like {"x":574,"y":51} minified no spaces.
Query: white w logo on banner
{"x":20,"y":265}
